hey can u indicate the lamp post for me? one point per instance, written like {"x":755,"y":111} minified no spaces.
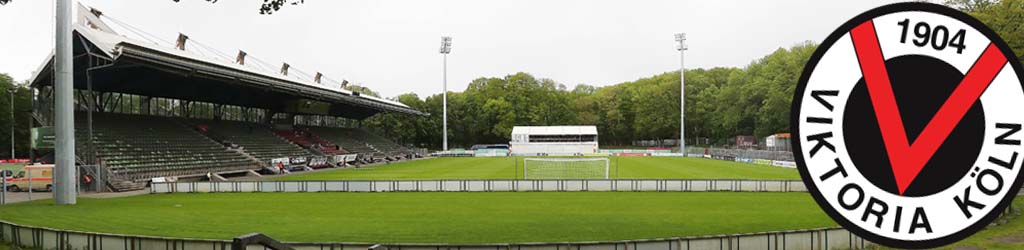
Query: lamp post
{"x":681,"y":47}
{"x":11,"y":91}
{"x":446,"y":47}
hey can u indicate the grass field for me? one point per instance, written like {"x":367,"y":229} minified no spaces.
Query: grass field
{"x":511,"y":167}
{"x":1006,"y":236}
{"x":431,"y":217}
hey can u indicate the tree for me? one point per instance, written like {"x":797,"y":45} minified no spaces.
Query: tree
{"x":721,"y":104}
{"x":22,"y":106}
{"x":1004,"y":17}
{"x":268,"y":7}
{"x":969,"y":5}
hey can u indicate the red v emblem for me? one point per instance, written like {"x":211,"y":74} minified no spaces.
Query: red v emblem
{"x":906,"y":158}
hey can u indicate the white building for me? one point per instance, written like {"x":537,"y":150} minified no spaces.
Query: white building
{"x":553,"y":140}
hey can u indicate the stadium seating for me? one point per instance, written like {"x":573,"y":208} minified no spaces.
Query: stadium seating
{"x":306,"y":140}
{"x":362,"y":142}
{"x":137,"y":148}
{"x":326,"y":146}
{"x":382,"y":144}
{"x":256,"y":140}
{"x":342,"y":138}
{"x":143,"y":147}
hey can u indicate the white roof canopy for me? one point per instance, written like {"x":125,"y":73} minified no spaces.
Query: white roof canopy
{"x":554,"y":130}
{"x":110,"y":43}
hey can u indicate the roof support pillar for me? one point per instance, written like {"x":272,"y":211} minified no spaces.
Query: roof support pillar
{"x":269,"y":117}
{"x":218,"y":112}
{"x":144,"y":104}
{"x":91,"y":103}
{"x":290,"y":119}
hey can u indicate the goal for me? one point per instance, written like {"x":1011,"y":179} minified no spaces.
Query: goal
{"x":565,"y":168}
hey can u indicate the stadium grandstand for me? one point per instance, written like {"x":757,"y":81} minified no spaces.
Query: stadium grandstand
{"x":147,"y":108}
{"x":553,"y":140}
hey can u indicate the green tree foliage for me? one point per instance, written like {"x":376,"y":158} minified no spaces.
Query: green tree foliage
{"x":1005,"y":17}
{"x":721,"y":103}
{"x":22,"y":106}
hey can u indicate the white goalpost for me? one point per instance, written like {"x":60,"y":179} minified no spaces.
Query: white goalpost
{"x":565,"y":168}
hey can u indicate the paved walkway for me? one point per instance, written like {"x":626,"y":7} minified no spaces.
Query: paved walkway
{"x":270,"y":176}
{"x":15,"y":197}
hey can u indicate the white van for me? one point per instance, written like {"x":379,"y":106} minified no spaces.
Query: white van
{"x":35,"y":177}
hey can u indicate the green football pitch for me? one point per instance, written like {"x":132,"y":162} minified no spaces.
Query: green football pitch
{"x":455,"y":217}
{"x":431,"y":217}
{"x":512,"y":168}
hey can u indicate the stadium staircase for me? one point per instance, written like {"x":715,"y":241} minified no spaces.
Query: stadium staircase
{"x":362,"y":142}
{"x":135,"y":148}
{"x":384,"y":145}
{"x":114,"y":182}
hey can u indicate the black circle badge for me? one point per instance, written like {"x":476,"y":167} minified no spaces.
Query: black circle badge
{"x":907,"y":125}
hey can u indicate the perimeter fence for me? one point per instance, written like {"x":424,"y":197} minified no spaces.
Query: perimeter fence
{"x":810,"y":239}
{"x":482,"y":186}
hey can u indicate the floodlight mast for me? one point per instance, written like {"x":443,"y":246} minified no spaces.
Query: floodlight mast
{"x":681,"y":47}
{"x":446,"y":47}
{"x":64,"y":183}
{"x":11,"y":91}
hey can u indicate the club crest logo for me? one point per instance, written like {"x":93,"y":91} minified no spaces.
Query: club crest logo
{"x":907,"y":125}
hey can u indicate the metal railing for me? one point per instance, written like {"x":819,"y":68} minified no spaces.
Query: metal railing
{"x":57,"y":239}
{"x":481,"y":186}
{"x":244,"y":241}
{"x":743,"y":153}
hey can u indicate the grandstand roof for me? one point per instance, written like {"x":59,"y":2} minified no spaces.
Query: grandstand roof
{"x":133,"y":66}
{"x":554,"y":130}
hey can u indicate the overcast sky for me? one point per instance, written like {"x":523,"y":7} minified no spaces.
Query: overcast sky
{"x":392,"y":46}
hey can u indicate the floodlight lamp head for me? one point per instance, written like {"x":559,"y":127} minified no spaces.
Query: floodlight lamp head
{"x":446,"y":44}
{"x":680,"y":37}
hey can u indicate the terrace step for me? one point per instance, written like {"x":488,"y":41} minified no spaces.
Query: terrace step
{"x":125,"y":185}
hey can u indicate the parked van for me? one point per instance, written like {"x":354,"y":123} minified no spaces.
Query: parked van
{"x":35,"y":177}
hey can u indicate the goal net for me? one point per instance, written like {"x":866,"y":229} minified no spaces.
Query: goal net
{"x":565,"y":168}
